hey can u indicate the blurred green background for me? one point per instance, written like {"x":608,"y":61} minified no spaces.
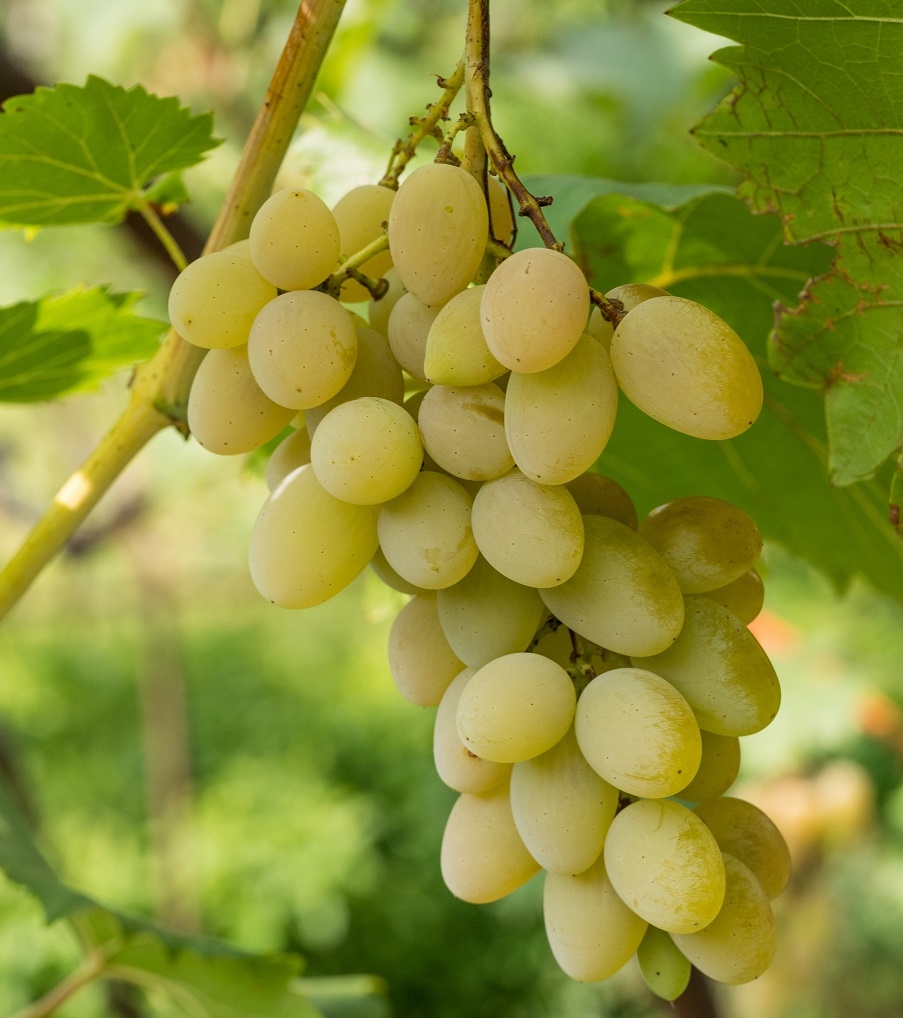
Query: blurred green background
{"x":190,"y":753}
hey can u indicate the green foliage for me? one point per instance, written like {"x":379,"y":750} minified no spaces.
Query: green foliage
{"x":815,"y":128}
{"x":71,"y":342}
{"x":85,"y":154}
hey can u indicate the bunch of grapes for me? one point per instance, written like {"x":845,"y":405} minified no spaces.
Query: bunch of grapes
{"x":593,"y":673}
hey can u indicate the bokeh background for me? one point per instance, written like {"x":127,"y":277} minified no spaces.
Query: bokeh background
{"x":190,"y":753}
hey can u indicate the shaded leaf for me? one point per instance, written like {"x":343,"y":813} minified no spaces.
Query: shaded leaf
{"x":816,"y":126}
{"x":71,"y":342}
{"x":712,"y":250}
{"x":84,"y":154}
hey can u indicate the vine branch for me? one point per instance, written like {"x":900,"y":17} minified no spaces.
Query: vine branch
{"x":91,"y":969}
{"x":159,"y":392}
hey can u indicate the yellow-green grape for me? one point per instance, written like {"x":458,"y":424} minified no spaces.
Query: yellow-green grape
{"x":718,"y":768}
{"x":456,"y":350}
{"x":743,"y":597}
{"x":409,"y":326}
{"x":463,"y":429}
{"x":532,"y":533}
{"x":360,"y":215}
{"x":228,"y":412}
{"x":559,"y":420}
{"x":590,"y":930}
{"x":516,"y":707}
{"x":501,"y":218}
{"x":706,"y":541}
{"x":600,"y":328}
{"x":721,"y":670}
{"x":638,"y":732}
{"x":379,"y":310}
{"x":375,"y":373}
{"x":631,"y":294}
{"x":482,"y":856}
{"x":422,"y":663}
{"x":302,"y":348}
{"x":380,"y":565}
{"x":366,"y":451}
{"x":745,"y":832}
{"x":291,"y":453}
{"x":562,"y":808}
{"x":622,"y":596}
{"x":598,"y":495}
{"x":684,"y":366}
{"x":486,"y":615}
{"x":534,"y":308}
{"x":214,"y":300}
{"x":426,"y":532}
{"x":456,"y":766}
{"x":294,"y":240}
{"x":306,"y":545}
{"x":666,"y":865}
{"x":738,"y":945}
{"x":665,"y":970}
{"x":438,"y":228}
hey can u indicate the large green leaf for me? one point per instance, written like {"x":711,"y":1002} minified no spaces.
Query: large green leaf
{"x":84,"y":154}
{"x":714,"y":251}
{"x":816,"y":126}
{"x":70,"y":342}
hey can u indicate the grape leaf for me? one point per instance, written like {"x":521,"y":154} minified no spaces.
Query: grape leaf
{"x":84,"y":154}
{"x":714,"y":251}
{"x":816,"y":126}
{"x":70,"y":342}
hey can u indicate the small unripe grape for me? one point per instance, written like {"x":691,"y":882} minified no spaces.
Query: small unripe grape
{"x":291,"y":453}
{"x":742,"y":597}
{"x":456,"y":351}
{"x":409,"y":325}
{"x":294,"y":240}
{"x":378,"y":311}
{"x":421,"y":661}
{"x":632,"y":294}
{"x":598,"y":495}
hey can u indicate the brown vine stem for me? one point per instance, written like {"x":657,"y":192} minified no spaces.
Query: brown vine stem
{"x":91,"y":969}
{"x":160,"y":387}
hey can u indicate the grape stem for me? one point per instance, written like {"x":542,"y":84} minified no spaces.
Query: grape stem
{"x":159,"y":391}
{"x":169,"y":242}
{"x":351,"y":265}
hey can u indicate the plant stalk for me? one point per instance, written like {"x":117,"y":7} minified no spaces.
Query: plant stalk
{"x":90,"y":970}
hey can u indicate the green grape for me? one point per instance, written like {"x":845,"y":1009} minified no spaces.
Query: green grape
{"x":360,"y":215}
{"x":228,"y":413}
{"x":291,"y":453}
{"x":379,"y":310}
{"x":463,"y":429}
{"x":591,"y":931}
{"x":685,"y":367}
{"x":622,"y":596}
{"x":562,"y":808}
{"x":718,"y":768}
{"x":534,"y":308}
{"x":500,"y":214}
{"x":409,"y":325}
{"x":426,"y":532}
{"x":706,"y":541}
{"x":665,"y":864}
{"x":516,"y":707}
{"x":559,"y":420}
{"x":456,"y":766}
{"x":456,"y":351}
{"x":665,"y":970}
{"x":745,"y":832}
{"x":600,"y":328}
{"x":482,"y":856}
{"x":306,"y":546}
{"x":531,"y":533}
{"x":486,"y":615}
{"x":638,"y":732}
{"x":294,"y":240}
{"x":743,"y":597}
{"x":438,"y":228}
{"x":302,"y":348}
{"x":631,"y":294}
{"x":721,"y":670}
{"x":738,"y":945}
{"x":598,"y":495}
{"x":366,"y":451}
{"x":380,"y":565}
{"x":420,"y":659}
{"x":375,"y":373}
{"x":214,"y":300}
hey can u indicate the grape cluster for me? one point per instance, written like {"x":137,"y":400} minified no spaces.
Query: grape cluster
{"x":592,"y":672}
